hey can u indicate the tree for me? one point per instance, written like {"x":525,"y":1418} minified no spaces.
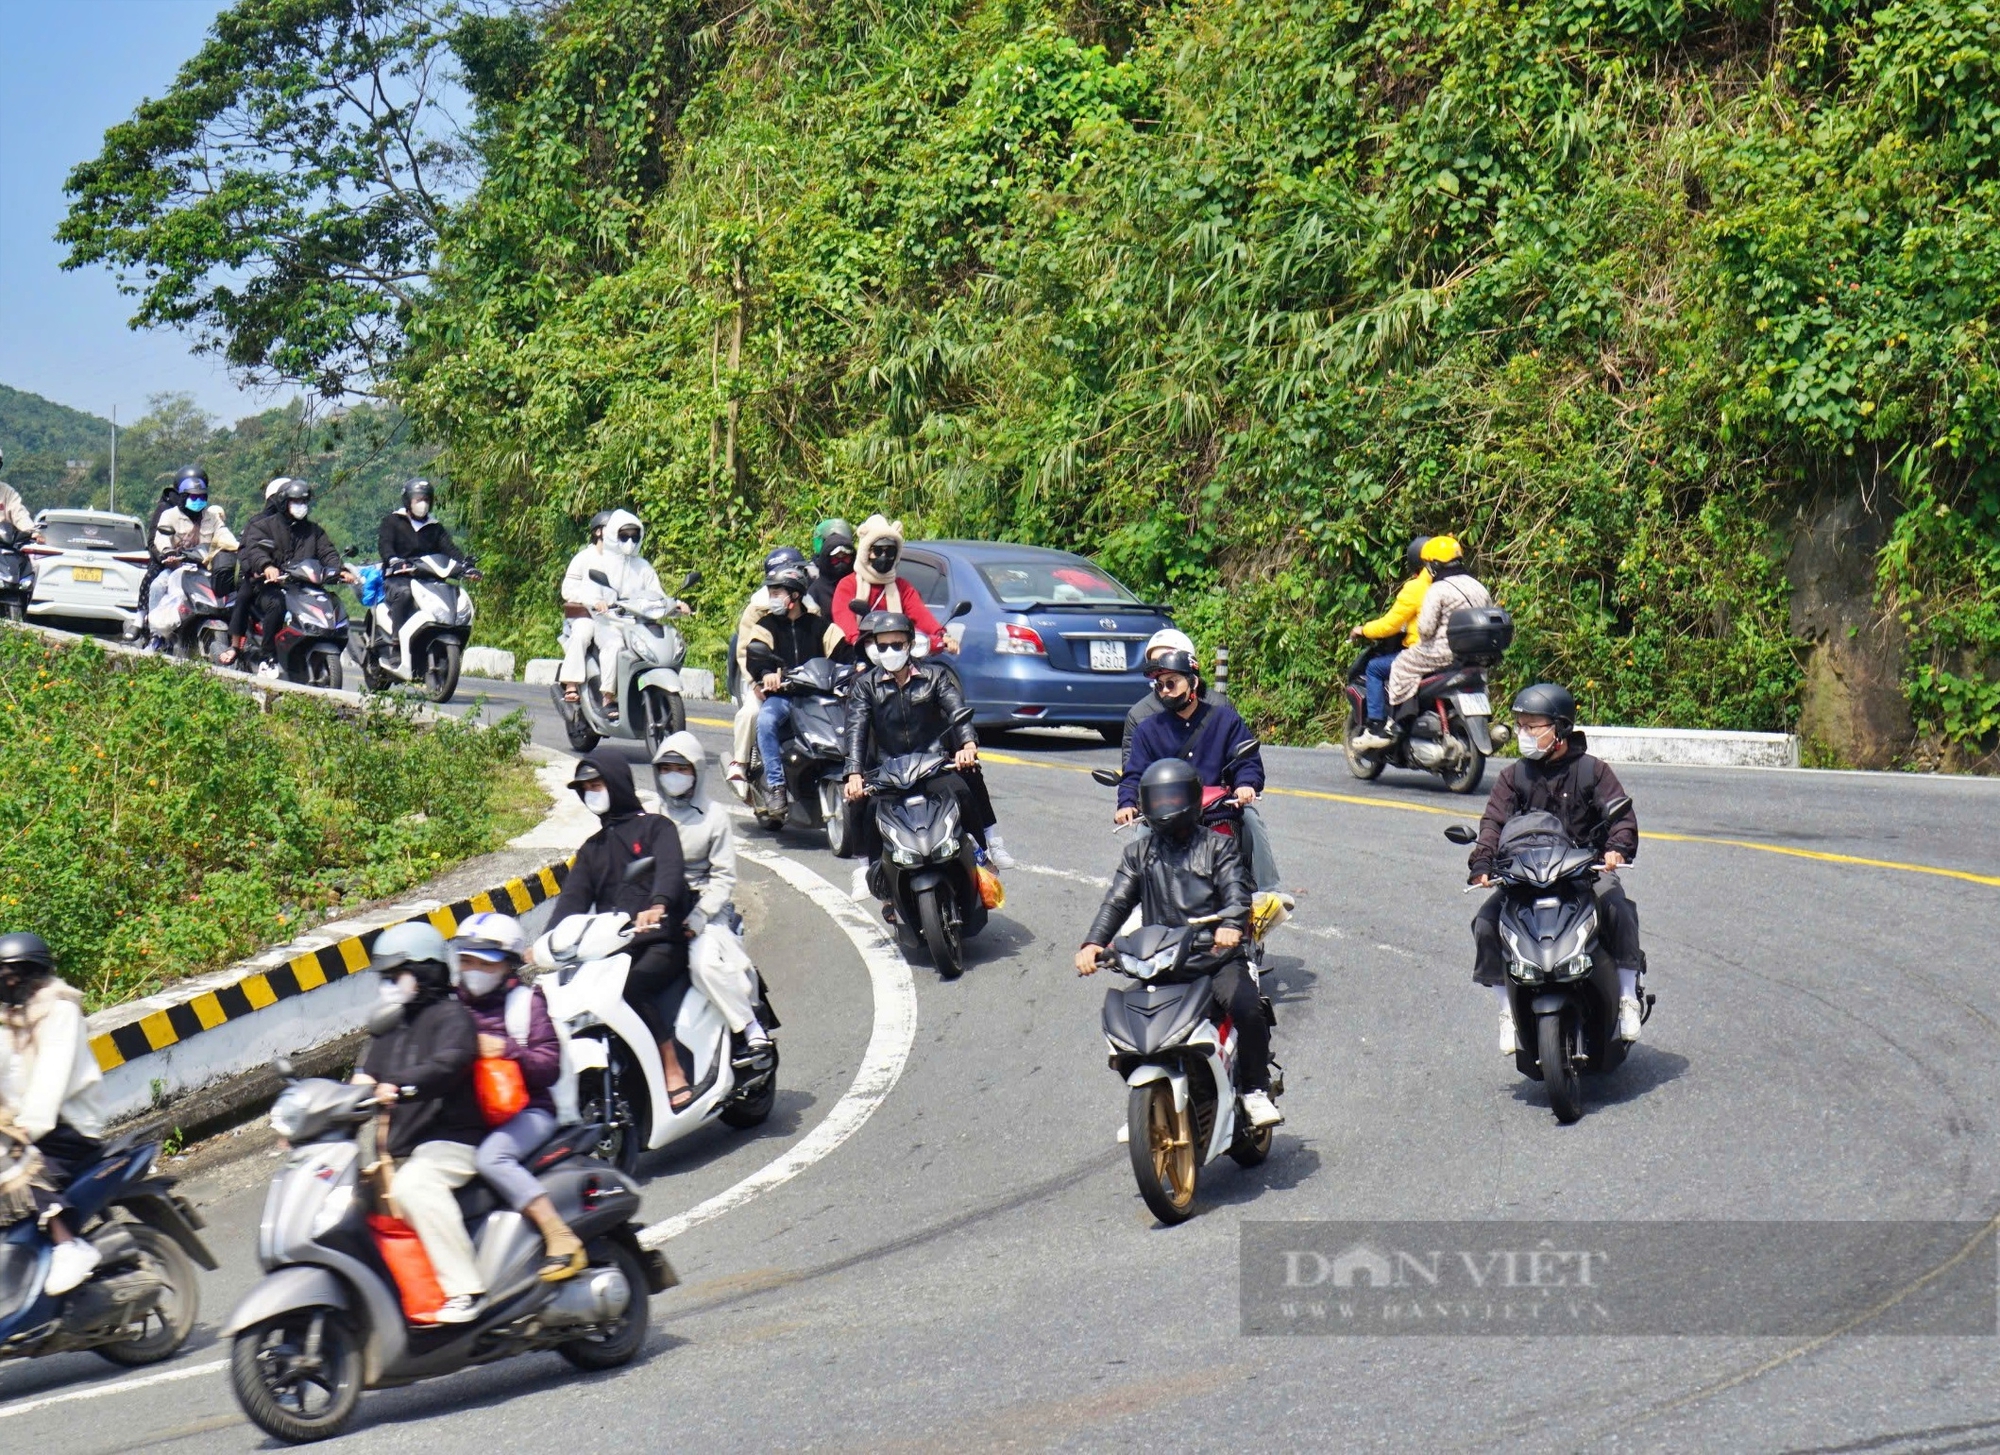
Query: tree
{"x":283,"y":200}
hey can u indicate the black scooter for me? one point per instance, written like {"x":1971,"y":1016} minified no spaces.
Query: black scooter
{"x":927,"y":868}
{"x":202,"y":629}
{"x":815,"y":755}
{"x":1560,"y":975}
{"x":313,"y":634}
{"x":17,"y":574}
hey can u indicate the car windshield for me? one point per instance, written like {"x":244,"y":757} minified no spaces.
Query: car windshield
{"x":95,"y":535}
{"x":1018,"y":583}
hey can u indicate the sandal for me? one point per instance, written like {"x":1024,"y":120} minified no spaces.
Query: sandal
{"x":680,"y":1099}
{"x":570,"y":694}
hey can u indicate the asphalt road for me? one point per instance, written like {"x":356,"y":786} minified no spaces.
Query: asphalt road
{"x":974,"y":1269}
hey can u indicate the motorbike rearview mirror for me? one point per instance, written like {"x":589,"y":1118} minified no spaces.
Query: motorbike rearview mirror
{"x":1107,"y":776}
{"x":353,"y":552}
{"x":1244,"y":750}
{"x":691,"y":580}
{"x":600,"y":578}
{"x":859,"y":606}
{"x":959,"y":610}
{"x":1458,"y":833}
{"x":1616,"y":809}
{"x":638,"y":869}
{"x":282,"y":1065}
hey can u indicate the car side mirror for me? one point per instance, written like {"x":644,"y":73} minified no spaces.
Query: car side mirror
{"x":959,"y":610}
{"x":1458,"y":833}
{"x":691,"y":580}
{"x":1616,"y":809}
{"x":639,"y":869}
{"x":1109,"y":777}
{"x":600,"y":578}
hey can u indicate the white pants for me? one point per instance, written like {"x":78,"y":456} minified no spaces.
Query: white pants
{"x":746,"y":726}
{"x":578,"y":633}
{"x":721,"y":971}
{"x":421,"y":1193}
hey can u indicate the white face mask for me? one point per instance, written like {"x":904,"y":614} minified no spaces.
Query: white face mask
{"x":677,"y":785}
{"x":480,"y":983}
{"x":889,"y":659}
{"x":597,"y":800}
{"x":626,"y":548}
{"x":1532,"y":747}
{"x":419,"y":509}
{"x":298,"y":510}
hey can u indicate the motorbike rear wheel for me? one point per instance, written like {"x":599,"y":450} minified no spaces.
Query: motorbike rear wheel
{"x":275,"y":1379}
{"x":1164,"y":1160}
{"x":1559,"y":1072}
{"x":169,"y":1322}
{"x":940,"y":932}
{"x":1251,"y":1147}
{"x":1469,"y":773}
{"x":441,"y":671}
{"x":1363,"y":763}
{"x":620,"y":1341}
{"x":754,"y":1110}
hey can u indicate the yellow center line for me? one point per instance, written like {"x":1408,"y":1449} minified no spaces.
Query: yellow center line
{"x":713,"y":721}
{"x":1469,"y":812}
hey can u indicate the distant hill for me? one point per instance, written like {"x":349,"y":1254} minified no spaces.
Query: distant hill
{"x":41,"y":437}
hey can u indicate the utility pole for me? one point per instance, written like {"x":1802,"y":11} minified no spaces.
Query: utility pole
{"x":114,"y":458}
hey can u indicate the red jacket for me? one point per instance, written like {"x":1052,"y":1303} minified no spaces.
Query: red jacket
{"x":913,"y":607}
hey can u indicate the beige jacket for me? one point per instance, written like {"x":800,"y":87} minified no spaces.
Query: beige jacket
{"x":48,"y":1073}
{"x":179,"y":531}
{"x":1431,"y":651}
{"x":14,"y":510}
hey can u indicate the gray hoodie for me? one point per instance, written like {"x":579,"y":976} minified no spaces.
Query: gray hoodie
{"x":708,"y":843}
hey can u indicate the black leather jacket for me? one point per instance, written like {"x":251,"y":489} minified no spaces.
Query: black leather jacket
{"x":1173,"y":883}
{"x":886,"y":721}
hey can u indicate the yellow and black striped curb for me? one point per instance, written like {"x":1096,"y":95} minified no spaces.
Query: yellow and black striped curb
{"x":305,"y":972}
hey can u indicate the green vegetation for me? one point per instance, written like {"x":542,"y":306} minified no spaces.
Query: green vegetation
{"x":155,"y":823}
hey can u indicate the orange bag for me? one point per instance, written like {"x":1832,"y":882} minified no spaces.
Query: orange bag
{"x":500,"y":1087}
{"x":992,"y":893}
{"x":409,"y":1265}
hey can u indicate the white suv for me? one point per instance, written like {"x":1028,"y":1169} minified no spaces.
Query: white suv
{"x":88,"y":565}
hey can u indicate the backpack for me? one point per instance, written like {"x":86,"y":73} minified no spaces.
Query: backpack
{"x":520,"y":1010}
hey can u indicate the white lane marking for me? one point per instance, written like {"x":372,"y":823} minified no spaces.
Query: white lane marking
{"x":889,"y":1044}
{"x":97,"y":1391}
{"x":1096,"y":881}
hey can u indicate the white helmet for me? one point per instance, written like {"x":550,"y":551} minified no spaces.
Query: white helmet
{"x":1167,"y":639}
{"x":277,"y":486}
{"x":624,"y":533}
{"x":491,"y":938}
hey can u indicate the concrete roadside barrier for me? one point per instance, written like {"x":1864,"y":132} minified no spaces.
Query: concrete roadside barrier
{"x":541,"y":671}
{"x":487,"y":662}
{"x":1693,"y":747}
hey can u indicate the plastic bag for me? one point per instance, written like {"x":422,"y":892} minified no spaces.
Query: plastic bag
{"x":416,"y":1281}
{"x":370,"y":590}
{"x":992,"y":893}
{"x":501,"y":1089}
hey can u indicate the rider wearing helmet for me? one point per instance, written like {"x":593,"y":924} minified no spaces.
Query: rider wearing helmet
{"x":190,"y":527}
{"x":785,"y":637}
{"x":1396,"y":627}
{"x":49,"y":1094}
{"x":239,"y":614}
{"x":614,"y":550}
{"x":410,"y":531}
{"x":1556,"y":774}
{"x":511,"y":1021}
{"x":421,"y":1068}
{"x":281,"y":537}
{"x":833,"y":563}
{"x":879,"y":548}
{"x":1180,"y":872}
{"x":749,"y":694}
{"x":13,"y":509}
{"x":1452,"y":589}
{"x":1165,"y":640}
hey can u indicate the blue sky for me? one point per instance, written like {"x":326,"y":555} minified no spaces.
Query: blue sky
{"x":73,"y":68}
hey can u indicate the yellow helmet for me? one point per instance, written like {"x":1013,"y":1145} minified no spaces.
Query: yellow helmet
{"x":1439,"y":550}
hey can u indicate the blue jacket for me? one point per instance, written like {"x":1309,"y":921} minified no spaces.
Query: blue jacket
{"x":1204,"y":739}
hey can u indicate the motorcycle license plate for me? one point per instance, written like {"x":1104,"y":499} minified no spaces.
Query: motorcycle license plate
{"x":1474,"y":704}
{"x":86,"y":573}
{"x":1106,"y":656}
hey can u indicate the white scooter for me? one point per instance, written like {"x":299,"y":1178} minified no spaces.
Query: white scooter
{"x":620,"y":1084}
{"x":648,"y":690}
{"x":433,"y":638}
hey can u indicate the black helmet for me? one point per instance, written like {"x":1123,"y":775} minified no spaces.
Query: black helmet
{"x":1551,"y":700}
{"x":191,"y":474}
{"x":1170,"y":796}
{"x":1415,"y":554}
{"x":25,"y":959}
{"x":418,"y":490}
{"x":779,"y":557}
{"x":1181,"y":662}
{"x":877,"y":622}
{"x":597,"y":521}
{"x":792,"y":578}
{"x":296,"y":491}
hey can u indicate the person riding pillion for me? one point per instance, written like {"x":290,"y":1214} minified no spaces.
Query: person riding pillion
{"x":1398,"y":623}
{"x":195,"y":529}
{"x":13,"y":509}
{"x":832,"y":563}
{"x":239,"y":614}
{"x":410,"y":531}
{"x":879,"y":550}
{"x":1452,"y":588}
{"x":1180,"y":872}
{"x":280,"y":538}
{"x":787,"y":636}
{"x":614,"y":549}
{"x":1556,"y":774}
{"x":421,"y":1069}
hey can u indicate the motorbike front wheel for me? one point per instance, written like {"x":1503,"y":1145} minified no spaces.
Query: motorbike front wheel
{"x":624,"y":1130}
{"x":1559,"y":1071}
{"x":298,"y":1376}
{"x":441,"y":671}
{"x":1363,"y":763}
{"x":940,"y":932}
{"x":1164,"y":1160}
{"x":665,"y":716}
{"x":167,"y":1324}
{"x":323,"y":669}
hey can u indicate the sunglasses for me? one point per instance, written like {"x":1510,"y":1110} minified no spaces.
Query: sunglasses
{"x":628,"y":534}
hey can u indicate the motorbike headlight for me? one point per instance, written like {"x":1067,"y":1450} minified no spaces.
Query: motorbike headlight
{"x":904,"y":857}
{"x":433,"y":600}
{"x":944,"y":853}
{"x":1525,"y":970}
{"x":1574,"y":968}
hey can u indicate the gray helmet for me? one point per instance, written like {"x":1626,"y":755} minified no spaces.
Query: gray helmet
{"x":1170,"y":796}
{"x":414,"y":941}
{"x":1551,"y":700}
{"x":877,"y":622}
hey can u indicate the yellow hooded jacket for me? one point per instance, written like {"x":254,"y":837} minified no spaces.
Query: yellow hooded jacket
{"x":1402,"y":617}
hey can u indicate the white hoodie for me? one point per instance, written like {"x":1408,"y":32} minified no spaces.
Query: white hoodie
{"x":631,"y":577}
{"x":48,"y":1073}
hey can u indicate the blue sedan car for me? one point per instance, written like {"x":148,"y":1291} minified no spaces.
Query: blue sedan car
{"x":1051,"y":639}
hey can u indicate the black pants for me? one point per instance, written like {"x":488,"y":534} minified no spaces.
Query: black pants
{"x":1618,"y":926}
{"x":270,"y":610}
{"x":65,"y":1153}
{"x":1236,"y":992}
{"x":402,"y":601}
{"x":657,"y":986}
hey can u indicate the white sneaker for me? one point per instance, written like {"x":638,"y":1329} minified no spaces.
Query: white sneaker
{"x":1368,"y":740}
{"x":459,"y":1309}
{"x":1261,"y":1110}
{"x":996,"y":851}
{"x":1628,"y":1018}
{"x":739,"y":781}
{"x":72,"y":1262}
{"x":269,"y":671}
{"x":1510,"y":1038}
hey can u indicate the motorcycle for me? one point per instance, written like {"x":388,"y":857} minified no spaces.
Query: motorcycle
{"x":313,"y":635}
{"x":815,"y":755}
{"x":17,"y":574}
{"x":190,"y":614}
{"x":927,"y":868}
{"x":1560,"y":976}
{"x":1177,"y":1052}
{"x":140,"y":1303}
{"x":648,"y":690}
{"x":432,"y":640}
{"x":1452,"y":733}
{"x":327,"y":1321}
{"x":621,"y":1086}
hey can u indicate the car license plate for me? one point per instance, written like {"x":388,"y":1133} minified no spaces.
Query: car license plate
{"x":86,"y":573}
{"x":1474,"y":704}
{"x":1106,"y":656}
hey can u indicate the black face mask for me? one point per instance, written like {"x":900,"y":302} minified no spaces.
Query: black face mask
{"x":883,"y":558}
{"x":17,"y":988}
{"x":433,"y":981}
{"x":1173,"y":702}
